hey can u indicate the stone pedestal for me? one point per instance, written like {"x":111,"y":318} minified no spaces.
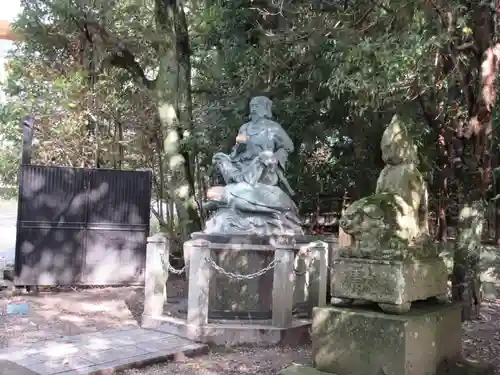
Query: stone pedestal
{"x":358,"y":341}
{"x":231,"y":297}
{"x":251,"y":298}
{"x":394,"y":285}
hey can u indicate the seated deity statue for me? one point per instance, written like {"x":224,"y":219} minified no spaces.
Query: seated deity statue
{"x":261,"y":150}
{"x":257,"y":197}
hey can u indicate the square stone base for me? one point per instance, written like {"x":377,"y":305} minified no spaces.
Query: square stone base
{"x":389,"y":281}
{"x":357,"y":341}
{"x":232,"y":333}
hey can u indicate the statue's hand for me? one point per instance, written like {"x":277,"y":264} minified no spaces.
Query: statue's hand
{"x":241,"y":138}
{"x":210,"y":205}
{"x":268,"y":158}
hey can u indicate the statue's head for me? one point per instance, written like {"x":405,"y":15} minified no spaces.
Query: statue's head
{"x":261,"y":107}
{"x":380,"y":214}
{"x":397,"y":145}
{"x":361,"y":216}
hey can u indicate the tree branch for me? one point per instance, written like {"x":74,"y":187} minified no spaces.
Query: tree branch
{"x":467,"y":45}
{"x":125,"y":59}
{"x":122,"y":57}
{"x":429,"y":117}
{"x":366,"y":14}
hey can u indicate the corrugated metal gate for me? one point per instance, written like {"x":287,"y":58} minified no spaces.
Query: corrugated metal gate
{"x":81,"y":226}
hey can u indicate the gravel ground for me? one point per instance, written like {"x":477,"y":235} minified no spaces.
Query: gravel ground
{"x":56,"y":314}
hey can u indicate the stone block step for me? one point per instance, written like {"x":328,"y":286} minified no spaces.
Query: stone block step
{"x":296,"y":369}
{"x":105,"y":352}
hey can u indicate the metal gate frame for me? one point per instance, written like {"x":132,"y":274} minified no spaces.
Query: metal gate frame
{"x":70,"y":237}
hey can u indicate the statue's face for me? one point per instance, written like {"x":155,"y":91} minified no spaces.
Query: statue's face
{"x":258,"y":109}
{"x":360,"y":216}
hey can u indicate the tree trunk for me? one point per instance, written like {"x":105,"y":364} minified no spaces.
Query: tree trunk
{"x":173,"y":90}
{"x":466,"y":274}
{"x":473,"y":166}
{"x":444,"y":171}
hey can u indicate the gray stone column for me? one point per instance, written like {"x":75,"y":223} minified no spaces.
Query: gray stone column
{"x":312,"y":276}
{"x":333,"y":253}
{"x":283,"y":285}
{"x":318,"y":274}
{"x":301,"y":287}
{"x":155,"y":288}
{"x":199,"y":282}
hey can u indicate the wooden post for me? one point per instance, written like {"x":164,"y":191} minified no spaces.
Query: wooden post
{"x":155,"y":288}
{"x":28,"y":124}
{"x":28,"y":130}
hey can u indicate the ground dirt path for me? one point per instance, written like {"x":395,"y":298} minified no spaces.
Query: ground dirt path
{"x":70,"y":312}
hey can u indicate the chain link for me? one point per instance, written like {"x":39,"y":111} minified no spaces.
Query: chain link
{"x":168,"y":267}
{"x":236,"y":276}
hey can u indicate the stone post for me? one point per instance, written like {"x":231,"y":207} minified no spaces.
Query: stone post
{"x":155,"y":288}
{"x":283,"y":285}
{"x":333,"y":253}
{"x":345,"y":240}
{"x":301,"y":263}
{"x":199,"y":282}
{"x":318,"y":274}
{"x":312,"y":278}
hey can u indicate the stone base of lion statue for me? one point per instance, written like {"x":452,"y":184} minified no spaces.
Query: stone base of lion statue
{"x":392,"y":284}
{"x":361,"y":341}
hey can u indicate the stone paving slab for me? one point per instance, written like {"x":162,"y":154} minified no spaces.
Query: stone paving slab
{"x":11,"y":368}
{"x":102,"y":352}
{"x":296,"y":369}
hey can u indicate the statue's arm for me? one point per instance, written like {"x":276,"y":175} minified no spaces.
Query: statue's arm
{"x":236,"y":147}
{"x":380,"y":182}
{"x":234,"y":151}
{"x":283,"y":145}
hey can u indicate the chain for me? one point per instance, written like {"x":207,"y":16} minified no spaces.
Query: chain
{"x":167,"y":266}
{"x":302,"y":273}
{"x":236,"y":276}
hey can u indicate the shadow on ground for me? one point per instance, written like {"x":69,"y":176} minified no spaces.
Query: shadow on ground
{"x":69,"y":312}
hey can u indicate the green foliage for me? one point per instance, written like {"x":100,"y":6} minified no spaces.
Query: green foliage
{"x":96,"y":73}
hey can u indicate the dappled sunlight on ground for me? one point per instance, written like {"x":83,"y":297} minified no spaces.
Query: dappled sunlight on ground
{"x":480,"y":341}
{"x":481,"y":338}
{"x":55,"y":315}
{"x":68,"y":313}
{"x":238,"y":361}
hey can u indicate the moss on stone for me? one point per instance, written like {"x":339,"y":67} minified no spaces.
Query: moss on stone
{"x":392,"y":222}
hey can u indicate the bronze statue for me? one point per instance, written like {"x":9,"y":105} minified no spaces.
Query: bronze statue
{"x":261,"y":150}
{"x":256,"y":198}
